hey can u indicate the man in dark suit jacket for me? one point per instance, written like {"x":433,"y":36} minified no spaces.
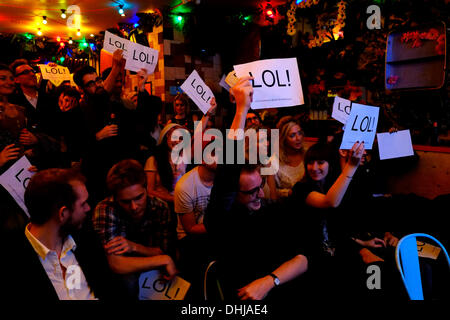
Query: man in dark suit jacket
{"x":33,"y":97}
{"x":57,"y":259}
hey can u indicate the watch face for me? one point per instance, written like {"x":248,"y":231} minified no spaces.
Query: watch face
{"x":277,"y":281}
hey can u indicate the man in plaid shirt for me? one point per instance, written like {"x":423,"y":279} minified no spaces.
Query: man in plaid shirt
{"x":137,"y":231}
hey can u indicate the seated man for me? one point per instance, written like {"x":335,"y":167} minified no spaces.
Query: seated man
{"x":258,"y":248}
{"x":137,"y":231}
{"x":54,"y":259}
{"x":191,"y":199}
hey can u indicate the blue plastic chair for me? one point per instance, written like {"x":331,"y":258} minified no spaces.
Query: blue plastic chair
{"x":407,"y":259}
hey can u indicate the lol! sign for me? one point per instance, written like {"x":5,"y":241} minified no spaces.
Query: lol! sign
{"x":55,"y":74}
{"x":198,"y":91}
{"x":361,"y":126}
{"x":276,"y":82}
{"x":137,"y":56}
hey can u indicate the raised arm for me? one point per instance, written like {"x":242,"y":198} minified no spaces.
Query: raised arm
{"x":118,"y":65}
{"x":335,"y":194}
{"x":243,"y":94}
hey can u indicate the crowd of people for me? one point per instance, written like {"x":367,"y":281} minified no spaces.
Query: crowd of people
{"x":109,"y":201}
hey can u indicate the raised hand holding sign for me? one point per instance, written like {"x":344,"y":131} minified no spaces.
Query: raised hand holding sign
{"x":137,"y":56}
{"x":198,"y":91}
{"x":361,"y":126}
{"x":276,"y":82}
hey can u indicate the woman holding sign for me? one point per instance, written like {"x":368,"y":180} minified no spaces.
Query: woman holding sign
{"x":321,"y":190}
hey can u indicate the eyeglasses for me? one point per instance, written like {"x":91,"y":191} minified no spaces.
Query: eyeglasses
{"x":95,"y":82}
{"x":253,"y":192}
{"x":25,"y":72}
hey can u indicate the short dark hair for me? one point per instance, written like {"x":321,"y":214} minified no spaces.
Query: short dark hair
{"x":48,"y":191}
{"x":69,"y":91}
{"x":320,"y":151}
{"x":124,"y":174}
{"x":5,"y":67}
{"x":18,"y":62}
{"x":250,"y":168}
{"x":80,"y":73}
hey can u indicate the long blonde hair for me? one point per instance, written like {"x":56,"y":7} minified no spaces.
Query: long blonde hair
{"x":284,"y":125}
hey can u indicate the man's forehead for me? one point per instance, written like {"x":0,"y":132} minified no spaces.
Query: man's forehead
{"x":23,"y":67}
{"x":250,"y":178}
{"x":80,"y":188}
{"x":130,"y":193}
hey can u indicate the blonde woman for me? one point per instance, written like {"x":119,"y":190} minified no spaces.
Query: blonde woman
{"x":182,"y":115}
{"x":291,"y":155}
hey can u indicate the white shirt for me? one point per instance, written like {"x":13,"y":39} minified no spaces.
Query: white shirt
{"x":191,"y":196}
{"x":32,"y":100}
{"x":74,"y":286}
{"x":287,"y":176}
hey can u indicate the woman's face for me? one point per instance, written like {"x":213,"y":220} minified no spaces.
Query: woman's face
{"x":6,"y":83}
{"x":294,"y":138}
{"x":178,"y":137}
{"x":179,"y":107}
{"x":317,"y":169}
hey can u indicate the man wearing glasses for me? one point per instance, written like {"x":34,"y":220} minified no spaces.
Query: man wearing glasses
{"x":252,"y":119}
{"x":259,"y":251}
{"x":31,"y":95}
{"x":107,"y":144}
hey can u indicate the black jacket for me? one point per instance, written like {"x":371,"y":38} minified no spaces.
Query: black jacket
{"x":26,"y":279}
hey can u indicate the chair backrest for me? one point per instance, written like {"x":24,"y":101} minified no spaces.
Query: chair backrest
{"x":407,"y":259}
{"x":211,"y":276}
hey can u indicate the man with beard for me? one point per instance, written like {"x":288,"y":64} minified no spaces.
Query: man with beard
{"x":107,"y":141}
{"x":56,"y":259}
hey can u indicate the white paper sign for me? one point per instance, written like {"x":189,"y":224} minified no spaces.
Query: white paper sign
{"x":224,"y":84}
{"x":55,"y":75}
{"x":361,"y":126}
{"x":341,"y":109}
{"x":395,"y":145}
{"x":136,"y":55}
{"x":198,"y":91}
{"x":276,"y":82}
{"x":141,"y":57}
{"x":152,"y":286}
{"x":112,"y":42}
{"x":15,"y":181}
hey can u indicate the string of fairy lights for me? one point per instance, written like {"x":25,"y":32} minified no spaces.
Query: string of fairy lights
{"x":77,"y":41}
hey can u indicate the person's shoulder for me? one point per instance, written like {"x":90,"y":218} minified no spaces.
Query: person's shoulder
{"x":105,"y":205}
{"x":188,"y":178}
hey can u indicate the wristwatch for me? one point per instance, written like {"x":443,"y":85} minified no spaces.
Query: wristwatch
{"x":276,"y":281}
